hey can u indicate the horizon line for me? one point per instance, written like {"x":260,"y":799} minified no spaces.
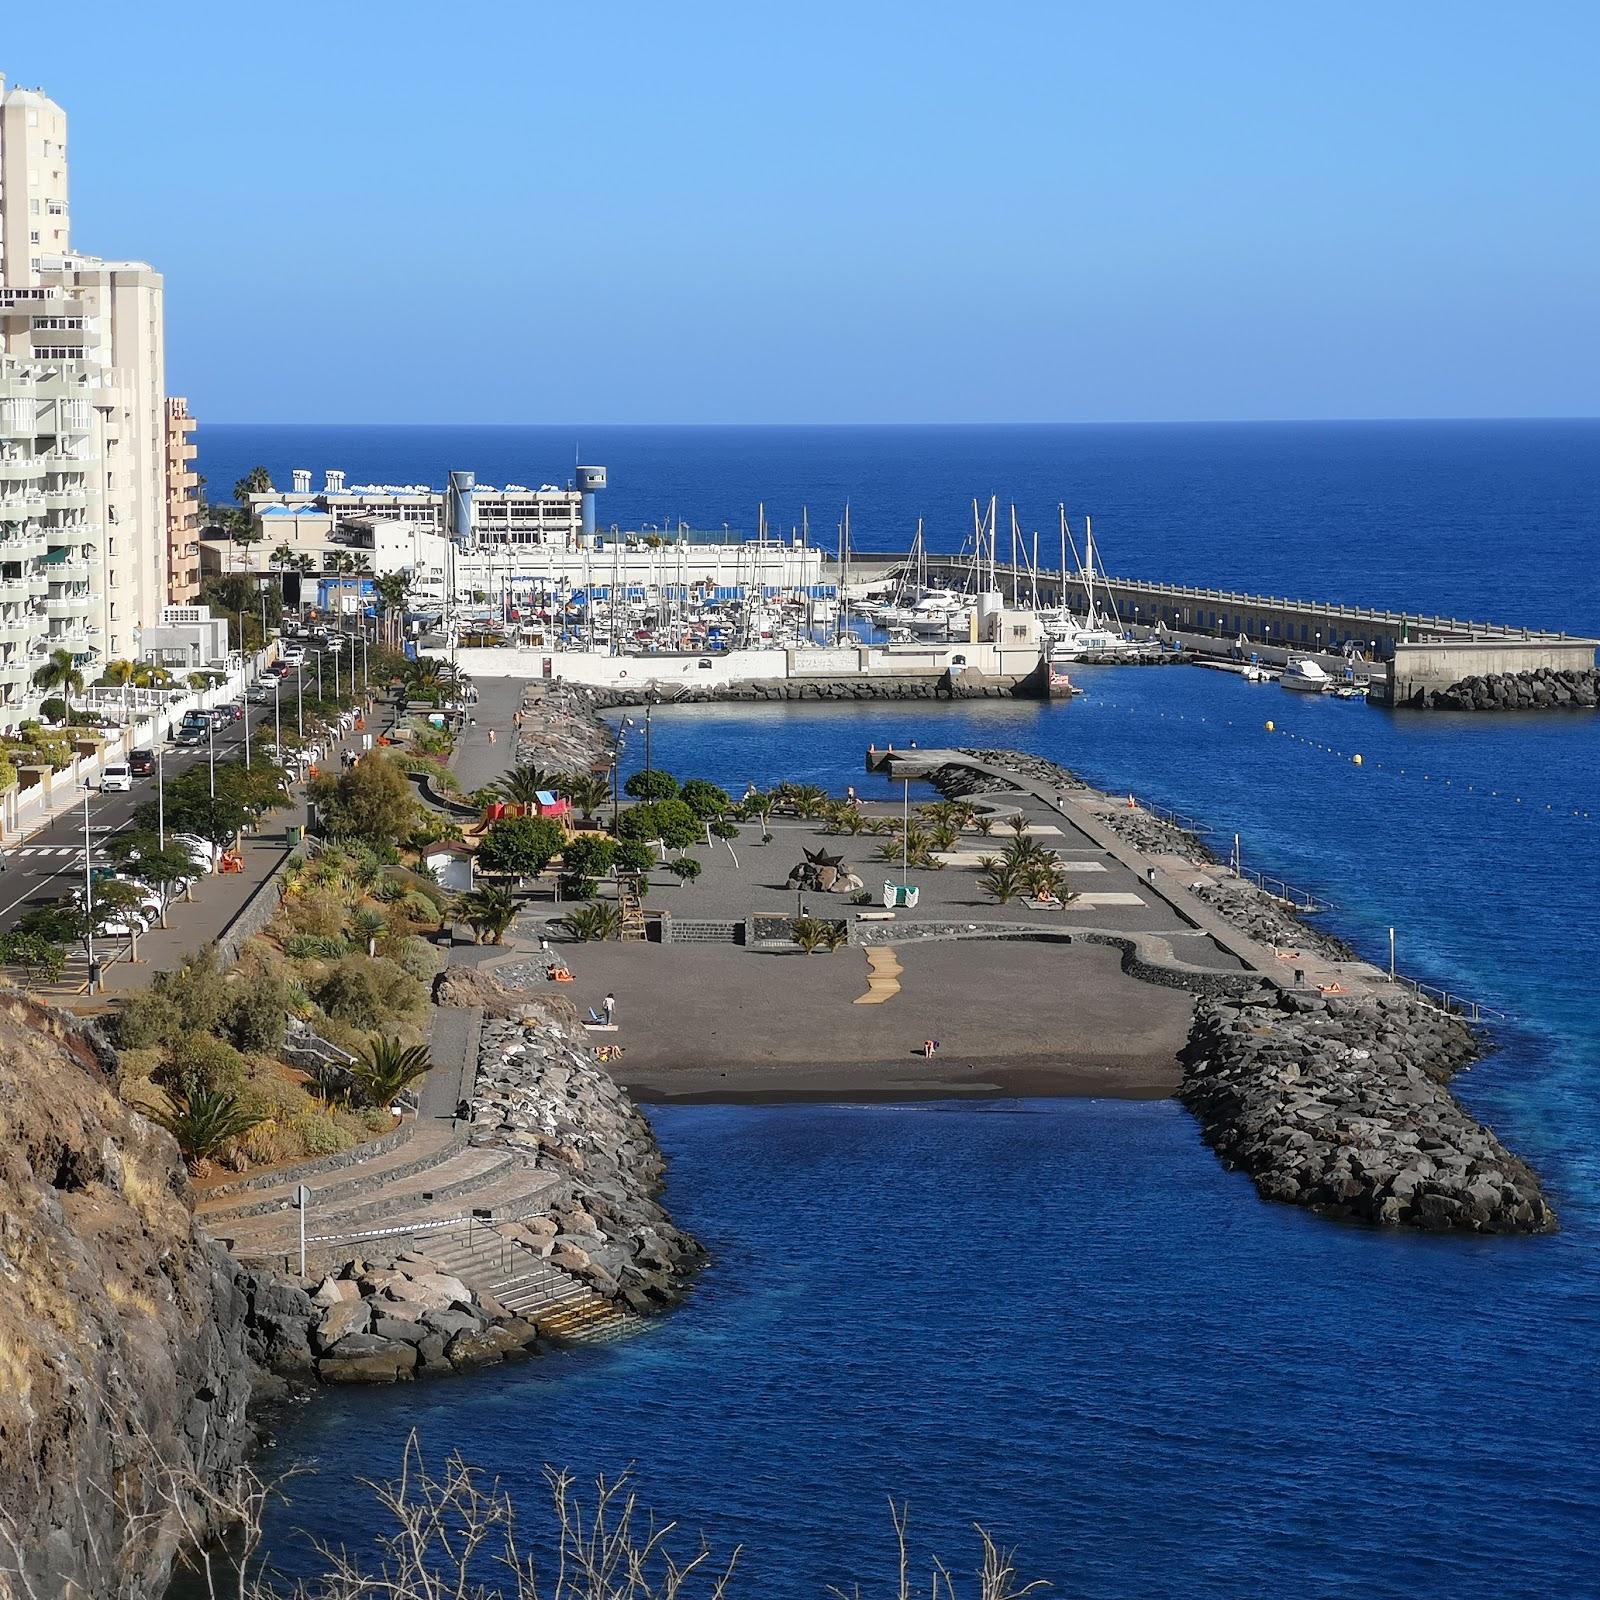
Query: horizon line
{"x":1164,"y":422}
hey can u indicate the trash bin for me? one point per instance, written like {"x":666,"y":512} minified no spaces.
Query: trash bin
{"x":297,"y":835}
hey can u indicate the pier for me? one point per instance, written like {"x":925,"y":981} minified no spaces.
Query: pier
{"x":1408,"y":654}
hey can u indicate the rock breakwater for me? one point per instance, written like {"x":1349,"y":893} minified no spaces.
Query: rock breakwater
{"x":1342,"y":1106}
{"x":541,"y":1092}
{"x":759,"y":691}
{"x":1544,"y":690}
{"x":557,"y":729}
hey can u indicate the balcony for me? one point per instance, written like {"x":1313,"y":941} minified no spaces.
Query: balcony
{"x":15,"y":629}
{"x":69,"y":605}
{"x":24,"y":546}
{"x":22,"y":469}
{"x":67,"y":567}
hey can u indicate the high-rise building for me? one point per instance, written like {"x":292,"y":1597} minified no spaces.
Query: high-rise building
{"x":183,"y":507}
{"x":94,"y":329}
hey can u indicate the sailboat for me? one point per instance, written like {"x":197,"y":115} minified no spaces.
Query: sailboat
{"x":1096,"y":634}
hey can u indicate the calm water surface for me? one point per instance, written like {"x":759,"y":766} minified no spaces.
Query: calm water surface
{"x":1064,"y":1319}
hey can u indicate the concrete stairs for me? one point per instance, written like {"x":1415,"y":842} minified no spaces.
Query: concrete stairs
{"x":433,"y":1180}
{"x":560,"y":1305}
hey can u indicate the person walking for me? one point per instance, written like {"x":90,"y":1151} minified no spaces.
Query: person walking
{"x":609,"y":1006}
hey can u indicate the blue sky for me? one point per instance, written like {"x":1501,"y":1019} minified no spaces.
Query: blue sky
{"x":1151,"y":210}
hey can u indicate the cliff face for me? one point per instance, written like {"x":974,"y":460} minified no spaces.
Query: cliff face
{"x":122,"y":1339}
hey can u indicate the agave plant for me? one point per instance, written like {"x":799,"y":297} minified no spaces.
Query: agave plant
{"x":597,"y":920}
{"x":203,"y":1121}
{"x":385,"y":1069}
{"x":944,"y":834}
{"x":368,"y":925}
{"x":488,"y":911}
{"x":983,"y":823}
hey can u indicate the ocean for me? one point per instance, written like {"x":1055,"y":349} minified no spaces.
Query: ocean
{"x":1064,"y":1320}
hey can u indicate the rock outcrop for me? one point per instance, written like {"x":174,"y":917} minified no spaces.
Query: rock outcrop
{"x":123,"y":1367}
{"x":1544,"y":690}
{"x":1341,"y":1106}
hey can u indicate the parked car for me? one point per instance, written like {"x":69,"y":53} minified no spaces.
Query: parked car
{"x":117,"y":779}
{"x":235,"y":709}
{"x":141,"y":763}
{"x":192,"y":733}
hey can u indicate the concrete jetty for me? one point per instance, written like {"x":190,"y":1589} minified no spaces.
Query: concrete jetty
{"x":1413,"y":655}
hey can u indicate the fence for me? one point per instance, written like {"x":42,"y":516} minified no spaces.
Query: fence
{"x":1279,"y":889}
{"x":1456,"y":1005}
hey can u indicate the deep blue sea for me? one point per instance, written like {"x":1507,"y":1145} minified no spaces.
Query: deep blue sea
{"x":1063,"y":1319}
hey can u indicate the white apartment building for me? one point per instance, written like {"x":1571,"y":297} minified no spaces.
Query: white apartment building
{"x":98,"y":325}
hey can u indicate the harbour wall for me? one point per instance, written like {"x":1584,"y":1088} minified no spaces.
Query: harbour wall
{"x":1425,"y":653}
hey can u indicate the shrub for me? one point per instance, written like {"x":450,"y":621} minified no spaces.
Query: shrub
{"x":574,"y":887}
{"x":352,"y":993}
{"x":316,"y":946}
{"x":256,"y":1015}
{"x":686,"y":868}
{"x":200,"y":1064}
{"x":635,"y":856}
{"x":203,"y":1122}
{"x":320,"y":1133}
{"x":598,"y":920}
{"x":650,"y":784}
{"x":418,"y":959}
{"x":386,"y":1069}
{"x":320,"y":912}
{"x":275,"y":1098}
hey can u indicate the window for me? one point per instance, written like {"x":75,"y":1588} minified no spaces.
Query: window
{"x":33,"y":208}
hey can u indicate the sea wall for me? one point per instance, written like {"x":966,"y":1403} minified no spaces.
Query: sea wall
{"x":759,"y":691}
{"x":1341,"y":1106}
{"x":1545,"y":690}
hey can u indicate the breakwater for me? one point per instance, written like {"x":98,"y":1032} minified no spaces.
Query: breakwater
{"x":1336,"y":1102}
{"x":1518,"y":691}
{"x":1342,"y":1106}
{"x":758,"y":691}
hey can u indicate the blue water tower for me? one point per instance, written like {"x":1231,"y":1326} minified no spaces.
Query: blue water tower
{"x":591,"y":480}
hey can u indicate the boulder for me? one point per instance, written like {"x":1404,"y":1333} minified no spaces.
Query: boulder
{"x":341,"y":1319}
{"x":393,"y":1364}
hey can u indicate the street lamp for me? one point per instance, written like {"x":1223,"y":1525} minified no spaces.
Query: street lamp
{"x":300,"y":700}
{"x":161,"y":784}
{"x":277,"y":718}
{"x":88,"y":892}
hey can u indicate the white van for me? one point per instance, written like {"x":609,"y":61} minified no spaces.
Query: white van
{"x":116,"y":780}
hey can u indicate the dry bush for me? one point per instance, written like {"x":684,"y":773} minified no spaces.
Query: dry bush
{"x":453,"y":1534}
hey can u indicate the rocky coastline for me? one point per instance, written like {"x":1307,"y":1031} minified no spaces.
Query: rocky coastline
{"x":1338,"y":1103}
{"x":1544,"y":690}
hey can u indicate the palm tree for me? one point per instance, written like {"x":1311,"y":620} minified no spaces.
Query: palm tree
{"x":815,"y":933}
{"x":61,"y":672}
{"x":1003,"y":880}
{"x":385,"y":1069}
{"x":488,"y":911}
{"x":282,"y":558}
{"x":522,"y":784}
{"x":392,"y":589}
{"x":588,"y":791}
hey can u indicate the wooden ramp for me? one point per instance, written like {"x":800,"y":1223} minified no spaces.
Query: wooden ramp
{"x":883,"y":976}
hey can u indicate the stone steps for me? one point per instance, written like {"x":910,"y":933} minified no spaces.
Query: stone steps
{"x":559,"y":1304}
{"x":467,"y":1179}
{"x":423,"y":1151}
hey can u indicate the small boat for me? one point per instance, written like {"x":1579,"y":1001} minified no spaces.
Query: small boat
{"x":1303,"y":674}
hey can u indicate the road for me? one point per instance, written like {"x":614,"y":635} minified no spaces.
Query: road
{"x":50,"y":863}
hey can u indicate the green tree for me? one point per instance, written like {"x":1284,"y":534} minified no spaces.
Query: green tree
{"x":371,"y":802}
{"x":704,"y":798}
{"x":670,"y":821}
{"x":649,"y":784}
{"x":634,"y":857}
{"x":256,"y":481}
{"x":522,"y":784}
{"x":162,"y":871}
{"x":41,"y":960}
{"x":521,"y":847}
{"x":588,"y":856}
{"x":686,"y":869}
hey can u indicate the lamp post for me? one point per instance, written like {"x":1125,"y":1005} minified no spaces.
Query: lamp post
{"x":300,"y":700}
{"x":88,"y":892}
{"x":161,"y":786}
{"x":277,"y":717}
{"x":319,"y":672}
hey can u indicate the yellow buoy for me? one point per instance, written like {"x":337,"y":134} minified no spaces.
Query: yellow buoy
{"x":1272,"y":727}
{"x":1356,"y":760}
